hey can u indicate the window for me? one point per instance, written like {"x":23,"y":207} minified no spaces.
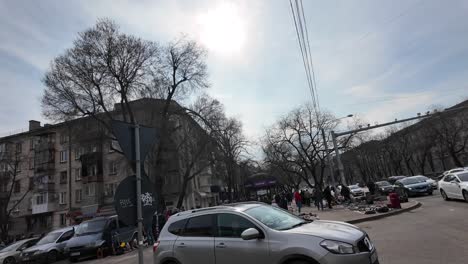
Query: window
{"x":109,"y":189}
{"x":18,"y":166}
{"x":78,"y":195}
{"x":448,"y":178}
{"x":177,"y":227}
{"x":3,"y":147}
{"x":66,"y":236}
{"x":63,"y":156}
{"x":31,"y":144}
{"x":231,"y":225}
{"x":92,"y":170}
{"x":41,"y":198}
{"x":19,"y":147}
{"x":274,"y":218}
{"x":89,"y":190}
{"x":199,"y":226}
{"x":78,"y":152}
{"x":63,"y":138}
{"x":62,"y":197}
{"x":63,"y":177}
{"x":78,"y":174}
{"x":63,"y":220}
{"x":112,"y":167}
{"x":17,"y":187}
{"x":31,"y":163}
{"x":31,"y":183}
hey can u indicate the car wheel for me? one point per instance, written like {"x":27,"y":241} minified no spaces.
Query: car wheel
{"x":52,"y":257}
{"x":300,"y":261}
{"x":10,"y":260}
{"x":444,"y":195}
{"x":73,"y":260}
{"x":465,"y":195}
{"x":429,"y":193}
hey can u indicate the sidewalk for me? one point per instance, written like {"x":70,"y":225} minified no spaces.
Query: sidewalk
{"x":340,"y":213}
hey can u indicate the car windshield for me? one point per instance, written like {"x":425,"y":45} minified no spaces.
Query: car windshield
{"x":422,"y":178}
{"x":13,"y":246}
{"x":463,"y":177}
{"x":412,"y":180}
{"x":383,"y":183}
{"x":353,"y":187}
{"x":274,"y":218}
{"x":88,"y":227}
{"x":49,"y":238}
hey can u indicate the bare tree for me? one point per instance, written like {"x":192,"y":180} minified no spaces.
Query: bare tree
{"x":296,"y":144}
{"x":104,"y":67}
{"x":10,"y":186}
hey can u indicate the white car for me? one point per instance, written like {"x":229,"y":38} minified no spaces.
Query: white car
{"x":356,"y":191}
{"x":454,"y":186}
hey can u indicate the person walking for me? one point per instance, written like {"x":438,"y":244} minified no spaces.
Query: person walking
{"x":298,"y":200}
{"x":327,"y":193}
{"x":318,"y":199}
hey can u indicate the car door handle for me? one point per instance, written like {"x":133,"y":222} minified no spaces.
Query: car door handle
{"x":221,"y":245}
{"x":181,"y":245}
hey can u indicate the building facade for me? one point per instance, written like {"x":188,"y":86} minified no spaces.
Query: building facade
{"x":71,"y":170}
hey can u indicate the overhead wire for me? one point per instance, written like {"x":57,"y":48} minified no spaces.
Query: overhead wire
{"x":297,"y":25}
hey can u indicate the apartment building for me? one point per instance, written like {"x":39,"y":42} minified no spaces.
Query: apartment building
{"x":72,"y":169}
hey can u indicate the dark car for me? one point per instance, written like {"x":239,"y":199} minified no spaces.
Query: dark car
{"x":384,"y":187}
{"x":50,"y":248}
{"x":393,"y":179}
{"x":412,"y":186}
{"x":98,"y":234}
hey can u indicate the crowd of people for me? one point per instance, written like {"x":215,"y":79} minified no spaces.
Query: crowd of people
{"x":328,"y":197}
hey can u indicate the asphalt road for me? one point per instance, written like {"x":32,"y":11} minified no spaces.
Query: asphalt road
{"x":435,"y":233}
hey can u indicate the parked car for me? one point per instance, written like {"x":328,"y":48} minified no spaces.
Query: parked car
{"x":11,"y":253}
{"x":50,"y":248}
{"x":429,"y":180}
{"x":414,"y":185}
{"x":356,"y":191}
{"x":454,"y":186}
{"x":393,"y":179}
{"x":256,"y":233}
{"x":384,"y":187}
{"x":98,"y":233}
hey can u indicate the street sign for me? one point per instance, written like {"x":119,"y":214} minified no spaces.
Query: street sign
{"x":125,"y":200}
{"x":125,"y":134}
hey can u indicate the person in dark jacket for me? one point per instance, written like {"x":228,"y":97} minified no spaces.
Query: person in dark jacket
{"x":346,"y":193}
{"x":318,"y":199}
{"x":328,"y":196}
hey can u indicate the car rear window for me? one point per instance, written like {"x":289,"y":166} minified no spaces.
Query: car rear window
{"x":177,"y":227}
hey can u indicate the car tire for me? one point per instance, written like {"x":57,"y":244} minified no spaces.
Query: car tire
{"x":9,"y":260}
{"x":52,"y":257}
{"x":73,"y":260}
{"x":430,"y":193}
{"x":444,"y":195}
{"x":465,"y":195}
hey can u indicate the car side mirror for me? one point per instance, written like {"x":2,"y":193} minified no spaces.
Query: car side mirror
{"x":250,"y":234}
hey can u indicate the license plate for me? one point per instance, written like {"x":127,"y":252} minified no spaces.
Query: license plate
{"x":373,"y":257}
{"x":74,"y":254}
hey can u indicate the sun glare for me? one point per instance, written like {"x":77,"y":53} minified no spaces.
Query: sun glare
{"x":222,"y":29}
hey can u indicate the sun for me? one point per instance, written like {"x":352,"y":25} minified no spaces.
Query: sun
{"x":222,"y":29}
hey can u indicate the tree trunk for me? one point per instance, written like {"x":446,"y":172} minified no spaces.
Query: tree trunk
{"x":455,"y":159}
{"x":182,"y":193}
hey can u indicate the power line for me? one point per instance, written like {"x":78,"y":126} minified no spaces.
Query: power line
{"x":304,"y":46}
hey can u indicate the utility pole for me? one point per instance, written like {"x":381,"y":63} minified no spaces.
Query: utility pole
{"x":338,"y":159}
{"x":138,"y":194}
{"x":328,"y":158}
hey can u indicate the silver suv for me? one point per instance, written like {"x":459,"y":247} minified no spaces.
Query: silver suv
{"x":256,"y":233}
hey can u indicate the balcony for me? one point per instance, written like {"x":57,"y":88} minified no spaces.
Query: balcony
{"x":43,"y":208}
{"x":48,"y":167}
{"x":45,"y":187}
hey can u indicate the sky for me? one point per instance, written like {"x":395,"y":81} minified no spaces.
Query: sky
{"x":377,"y":60}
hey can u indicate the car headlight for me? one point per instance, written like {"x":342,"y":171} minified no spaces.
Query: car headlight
{"x":38,"y":252}
{"x":409,"y":188}
{"x":337,"y":247}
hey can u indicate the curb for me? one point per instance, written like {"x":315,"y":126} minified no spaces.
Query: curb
{"x":380,"y":216}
